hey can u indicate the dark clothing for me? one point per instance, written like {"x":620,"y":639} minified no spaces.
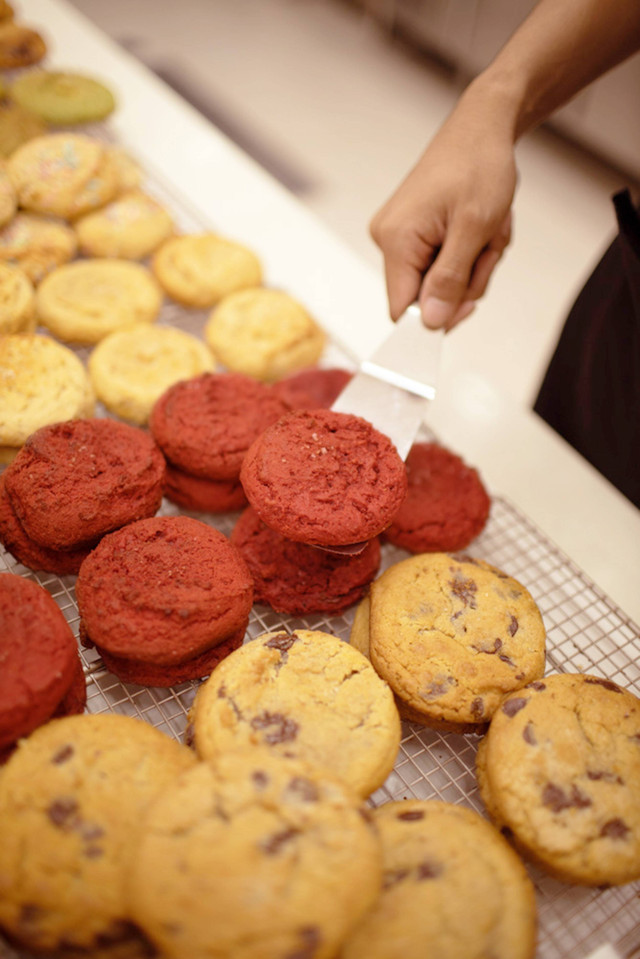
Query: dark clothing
{"x":591,"y":391}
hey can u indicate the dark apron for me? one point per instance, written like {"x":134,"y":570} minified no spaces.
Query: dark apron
{"x":591,"y":391}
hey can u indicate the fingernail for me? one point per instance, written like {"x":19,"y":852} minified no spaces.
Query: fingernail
{"x":437,"y":313}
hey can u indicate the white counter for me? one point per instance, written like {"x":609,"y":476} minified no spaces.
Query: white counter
{"x":518,"y":456}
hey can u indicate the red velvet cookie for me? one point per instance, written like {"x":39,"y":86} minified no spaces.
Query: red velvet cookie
{"x":205,"y":495}
{"x":152,"y":674}
{"x":163,"y":590}
{"x":312,"y":389}
{"x":38,"y":657}
{"x":205,"y":425}
{"x":324,"y":478}
{"x":446,"y":505}
{"x":73,"y":482}
{"x":27,"y":551}
{"x":297,"y":579}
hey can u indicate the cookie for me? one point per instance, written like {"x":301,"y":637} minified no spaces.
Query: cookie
{"x":16,"y":127}
{"x":452,"y":637}
{"x":128,"y":171}
{"x":17,"y":300}
{"x":161,"y":676}
{"x":559,"y":773}
{"x":205,"y":425}
{"x":305,"y":694}
{"x":324,"y":478}
{"x":437,"y":856}
{"x":63,"y":174}
{"x":6,"y":13}
{"x":20,"y":45}
{"x":73,"y":797}
{"x":200,"y":269}
{"x":8,"y":198}
{"x":41,"y":382}
{"x":263,"y":333}
{"x":446,"y":505}
{"x":163,"y":590}
{"x":130,"y":369}
{"x":313,"y":388}
{"x":86,"y":300}
{"x":201,"y":494}
{"x":73,"y":482}
{"x":298,"y":579}
{"x":37,"y":244}
{"x":38,"y":656}
{"x":62,"y":98}
{"x":26,"y":551}
{"x":253,"y":854}
{"x":131,"y":227}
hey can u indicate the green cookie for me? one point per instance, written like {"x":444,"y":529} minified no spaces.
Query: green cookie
{"x":62,"y":98}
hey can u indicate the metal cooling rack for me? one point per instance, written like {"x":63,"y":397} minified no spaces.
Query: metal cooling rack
{"x":585,"y":633}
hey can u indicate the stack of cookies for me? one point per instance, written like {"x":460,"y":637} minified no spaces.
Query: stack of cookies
{"x":204,"y":426}
{"x":71,"y":483}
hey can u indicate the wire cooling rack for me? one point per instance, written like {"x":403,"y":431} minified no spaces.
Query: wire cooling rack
{"x":586,"y":632}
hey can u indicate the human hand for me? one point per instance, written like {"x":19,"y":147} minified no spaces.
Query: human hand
{"x":445,"y":228}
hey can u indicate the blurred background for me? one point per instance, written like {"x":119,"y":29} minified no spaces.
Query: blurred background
{"x":337,"y":99}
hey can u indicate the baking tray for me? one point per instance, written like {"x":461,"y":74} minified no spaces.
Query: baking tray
{"x":586,"y":632}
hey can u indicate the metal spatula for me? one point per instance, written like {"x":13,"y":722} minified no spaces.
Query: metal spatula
{"x":393,"y":387}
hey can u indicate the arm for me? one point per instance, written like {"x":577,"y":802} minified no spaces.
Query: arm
{"x":450,"y":218}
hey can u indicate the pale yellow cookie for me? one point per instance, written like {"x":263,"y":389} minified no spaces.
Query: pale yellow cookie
{"x":305,"y":694}
{"x":254,"y":855}
{"x":559,"y":770}
{"x":63,"y":174}
{"x":452,"y":636}
{"x":17,"y":300}
{"x":37,"y":244}
{"x":128,"y":171}
{"x":264,"y":333}
{"x":84,"y":301}
{"x":200,"y":269}
{"x":41,"y":382}
{"x":73,"y":798}
{"x":453,"y":889}
{"x":130,"y":369}
{"x":131,"y":226}
{"x":8,"y":198}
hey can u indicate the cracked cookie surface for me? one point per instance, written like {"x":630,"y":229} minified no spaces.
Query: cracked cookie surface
{"x":256,"y":856}
{"x":560,"y":769}
{"x":307,"y":694}
{"x":452,"y":637}
{"x":437,"y":858}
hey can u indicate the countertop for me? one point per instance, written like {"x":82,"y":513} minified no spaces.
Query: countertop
{"x":518,"y":455}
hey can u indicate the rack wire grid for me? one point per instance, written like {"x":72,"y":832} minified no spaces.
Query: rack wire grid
{"x":586,"y":632}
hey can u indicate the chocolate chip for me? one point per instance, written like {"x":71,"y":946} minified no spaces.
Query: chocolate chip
{"x":393,"y":877}
{"x":303,"y":789}
{"x":512,"y":628}
{"x":556,"y":799}
{"x":63,"y":754}
{"x":514,"y":705}
{"x":438,"y":687}
{"x":93,"y":852}
{"x":90,"y":831}
{"x":260,"y":779}
{"x":506,"y":659}
{"x":606,"y":683}
{"x":282,"y":641}
{"x":189,"y":733}
{"x":477,"y":707}
{"x":411,"y":815}
{"x":615,"y":829}
{"x":537,"y":684}
{"x":529,"y":735}
{"x":311,"y":940}
{"x":464,"y":589}
{"x":273,"y":844}
{"x":429,"y":870}
{"x":63,"y":812}
{"x":279,"y":728}
{"x":606,"y":775}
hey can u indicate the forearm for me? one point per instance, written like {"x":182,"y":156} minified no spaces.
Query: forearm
{"x":561,"y":47}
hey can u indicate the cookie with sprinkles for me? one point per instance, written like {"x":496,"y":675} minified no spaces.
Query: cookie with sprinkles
{"x":63,"y":174}
{"x":131,"y":227}
{"x":37,"y":244}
